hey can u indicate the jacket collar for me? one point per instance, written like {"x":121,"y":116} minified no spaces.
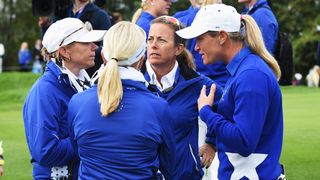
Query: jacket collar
{"x":258,"y":4}
{"x":131,"y":84}
{"x":147,"y":15}
{"x":234,"y":64}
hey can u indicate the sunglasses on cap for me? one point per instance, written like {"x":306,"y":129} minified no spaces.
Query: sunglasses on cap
{"x":171,"y":20}
{"x":86,"y":26}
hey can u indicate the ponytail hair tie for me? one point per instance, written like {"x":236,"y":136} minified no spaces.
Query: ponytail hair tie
{"x":115,"y":59}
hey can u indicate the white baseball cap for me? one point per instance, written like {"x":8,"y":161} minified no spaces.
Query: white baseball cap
{"x":68,"y":30}
{"x":214,"y":17}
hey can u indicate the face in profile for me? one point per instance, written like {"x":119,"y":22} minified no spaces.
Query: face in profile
{"x":161,"y":46}
{"x":81,"y":55}
{"x":161,"y":7}
{"x":209,"y":48}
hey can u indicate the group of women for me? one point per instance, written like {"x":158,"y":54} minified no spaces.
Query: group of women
{"x":140,"y":121}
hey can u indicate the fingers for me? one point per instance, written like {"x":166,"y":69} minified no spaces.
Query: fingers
{"x":207,"y":155}
{"x":212,"y":91}
{"x":203,"y":91}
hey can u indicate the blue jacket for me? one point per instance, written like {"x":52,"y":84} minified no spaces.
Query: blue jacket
{"x":24,"y":57}
{"x":183,"y":13}
{"x":216,"y":71}
{"x":98,"y":18}
{"x":144,"y":21}
{"x":45,"y":122}
{"x":249,"y":122}
{"x":267,"y":22}
{"x":130,"y":143}
{"x":183,"y":104}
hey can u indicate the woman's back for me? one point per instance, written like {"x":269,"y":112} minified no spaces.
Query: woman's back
{"x":128,"y":143}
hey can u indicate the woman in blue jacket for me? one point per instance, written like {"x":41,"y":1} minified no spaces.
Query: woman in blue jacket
{"x":170,"y":71}
{"x":151,"y":9}
{"x":122,"y":130}
{"x":266,"y":20}
{"x":249,"y":122}
{"x":69,"y":48}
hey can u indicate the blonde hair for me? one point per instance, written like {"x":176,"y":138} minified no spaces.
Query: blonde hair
{"x":120,"y":42}
{"x":24,"y":46}
{"x":206,"y":2}
{"x":253,"y":38}
{"x":138,"y":13}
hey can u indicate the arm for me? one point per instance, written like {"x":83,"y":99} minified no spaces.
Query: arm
{"x":244,"y":133}
{"x":269,"y":28}
{"x":41,"y":117}
{"x":168,"y":146}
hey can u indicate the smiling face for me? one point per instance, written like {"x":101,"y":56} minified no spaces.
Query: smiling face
{"x":209,"y":48}
{"x":162,"y":50}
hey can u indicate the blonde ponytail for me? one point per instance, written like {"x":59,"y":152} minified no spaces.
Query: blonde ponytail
{"x":119,"y":44}
{"x":138,"y":13}
{"x":109,"y":88}
{"x":187,"y":58}
{"x":253,"y":38}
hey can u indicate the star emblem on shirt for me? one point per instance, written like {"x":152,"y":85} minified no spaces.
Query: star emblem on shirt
{"x":245,"y":166}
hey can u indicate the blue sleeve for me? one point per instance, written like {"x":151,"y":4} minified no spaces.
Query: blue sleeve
{"x":168,"y":146}
{"x":72,"y":107}
{"x":251,"y":101}
{"x":145,"y":25}
{"x":46,"y":146}
{"x":270,"y":34}
{"x":269,"y":28}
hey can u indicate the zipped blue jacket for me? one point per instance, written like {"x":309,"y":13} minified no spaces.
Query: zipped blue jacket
{"x":216,"y":71}
{"x":45,"y":121}
{"x":249,"y":122}
{"x":132,"y":142}
{"x":267,"y":22}
{"x":182,"y":100}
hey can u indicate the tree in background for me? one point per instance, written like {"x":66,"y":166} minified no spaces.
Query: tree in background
{"x":16,"y":25}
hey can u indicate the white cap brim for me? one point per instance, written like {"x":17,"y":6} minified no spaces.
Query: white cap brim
{"x":191,"y":32}
{"x":92,"y":36}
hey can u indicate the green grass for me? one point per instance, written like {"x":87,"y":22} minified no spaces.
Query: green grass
{"x":301,"y":145}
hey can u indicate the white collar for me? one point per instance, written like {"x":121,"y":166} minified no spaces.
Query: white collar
{"x":167,"y":81}
{"x":83,"y":76}
{"x":131,"y":73}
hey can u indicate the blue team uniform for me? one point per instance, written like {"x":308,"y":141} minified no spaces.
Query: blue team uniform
{"x":182,"y":100}
{"x":46,"y":125}
{"x":132,"y":142}
{"x":249,"y":122}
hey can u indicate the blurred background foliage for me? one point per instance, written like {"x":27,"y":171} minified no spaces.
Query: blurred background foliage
{"x":298,"y":18}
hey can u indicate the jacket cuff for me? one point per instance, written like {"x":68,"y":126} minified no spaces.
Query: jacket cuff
{"x":205,"y":112}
